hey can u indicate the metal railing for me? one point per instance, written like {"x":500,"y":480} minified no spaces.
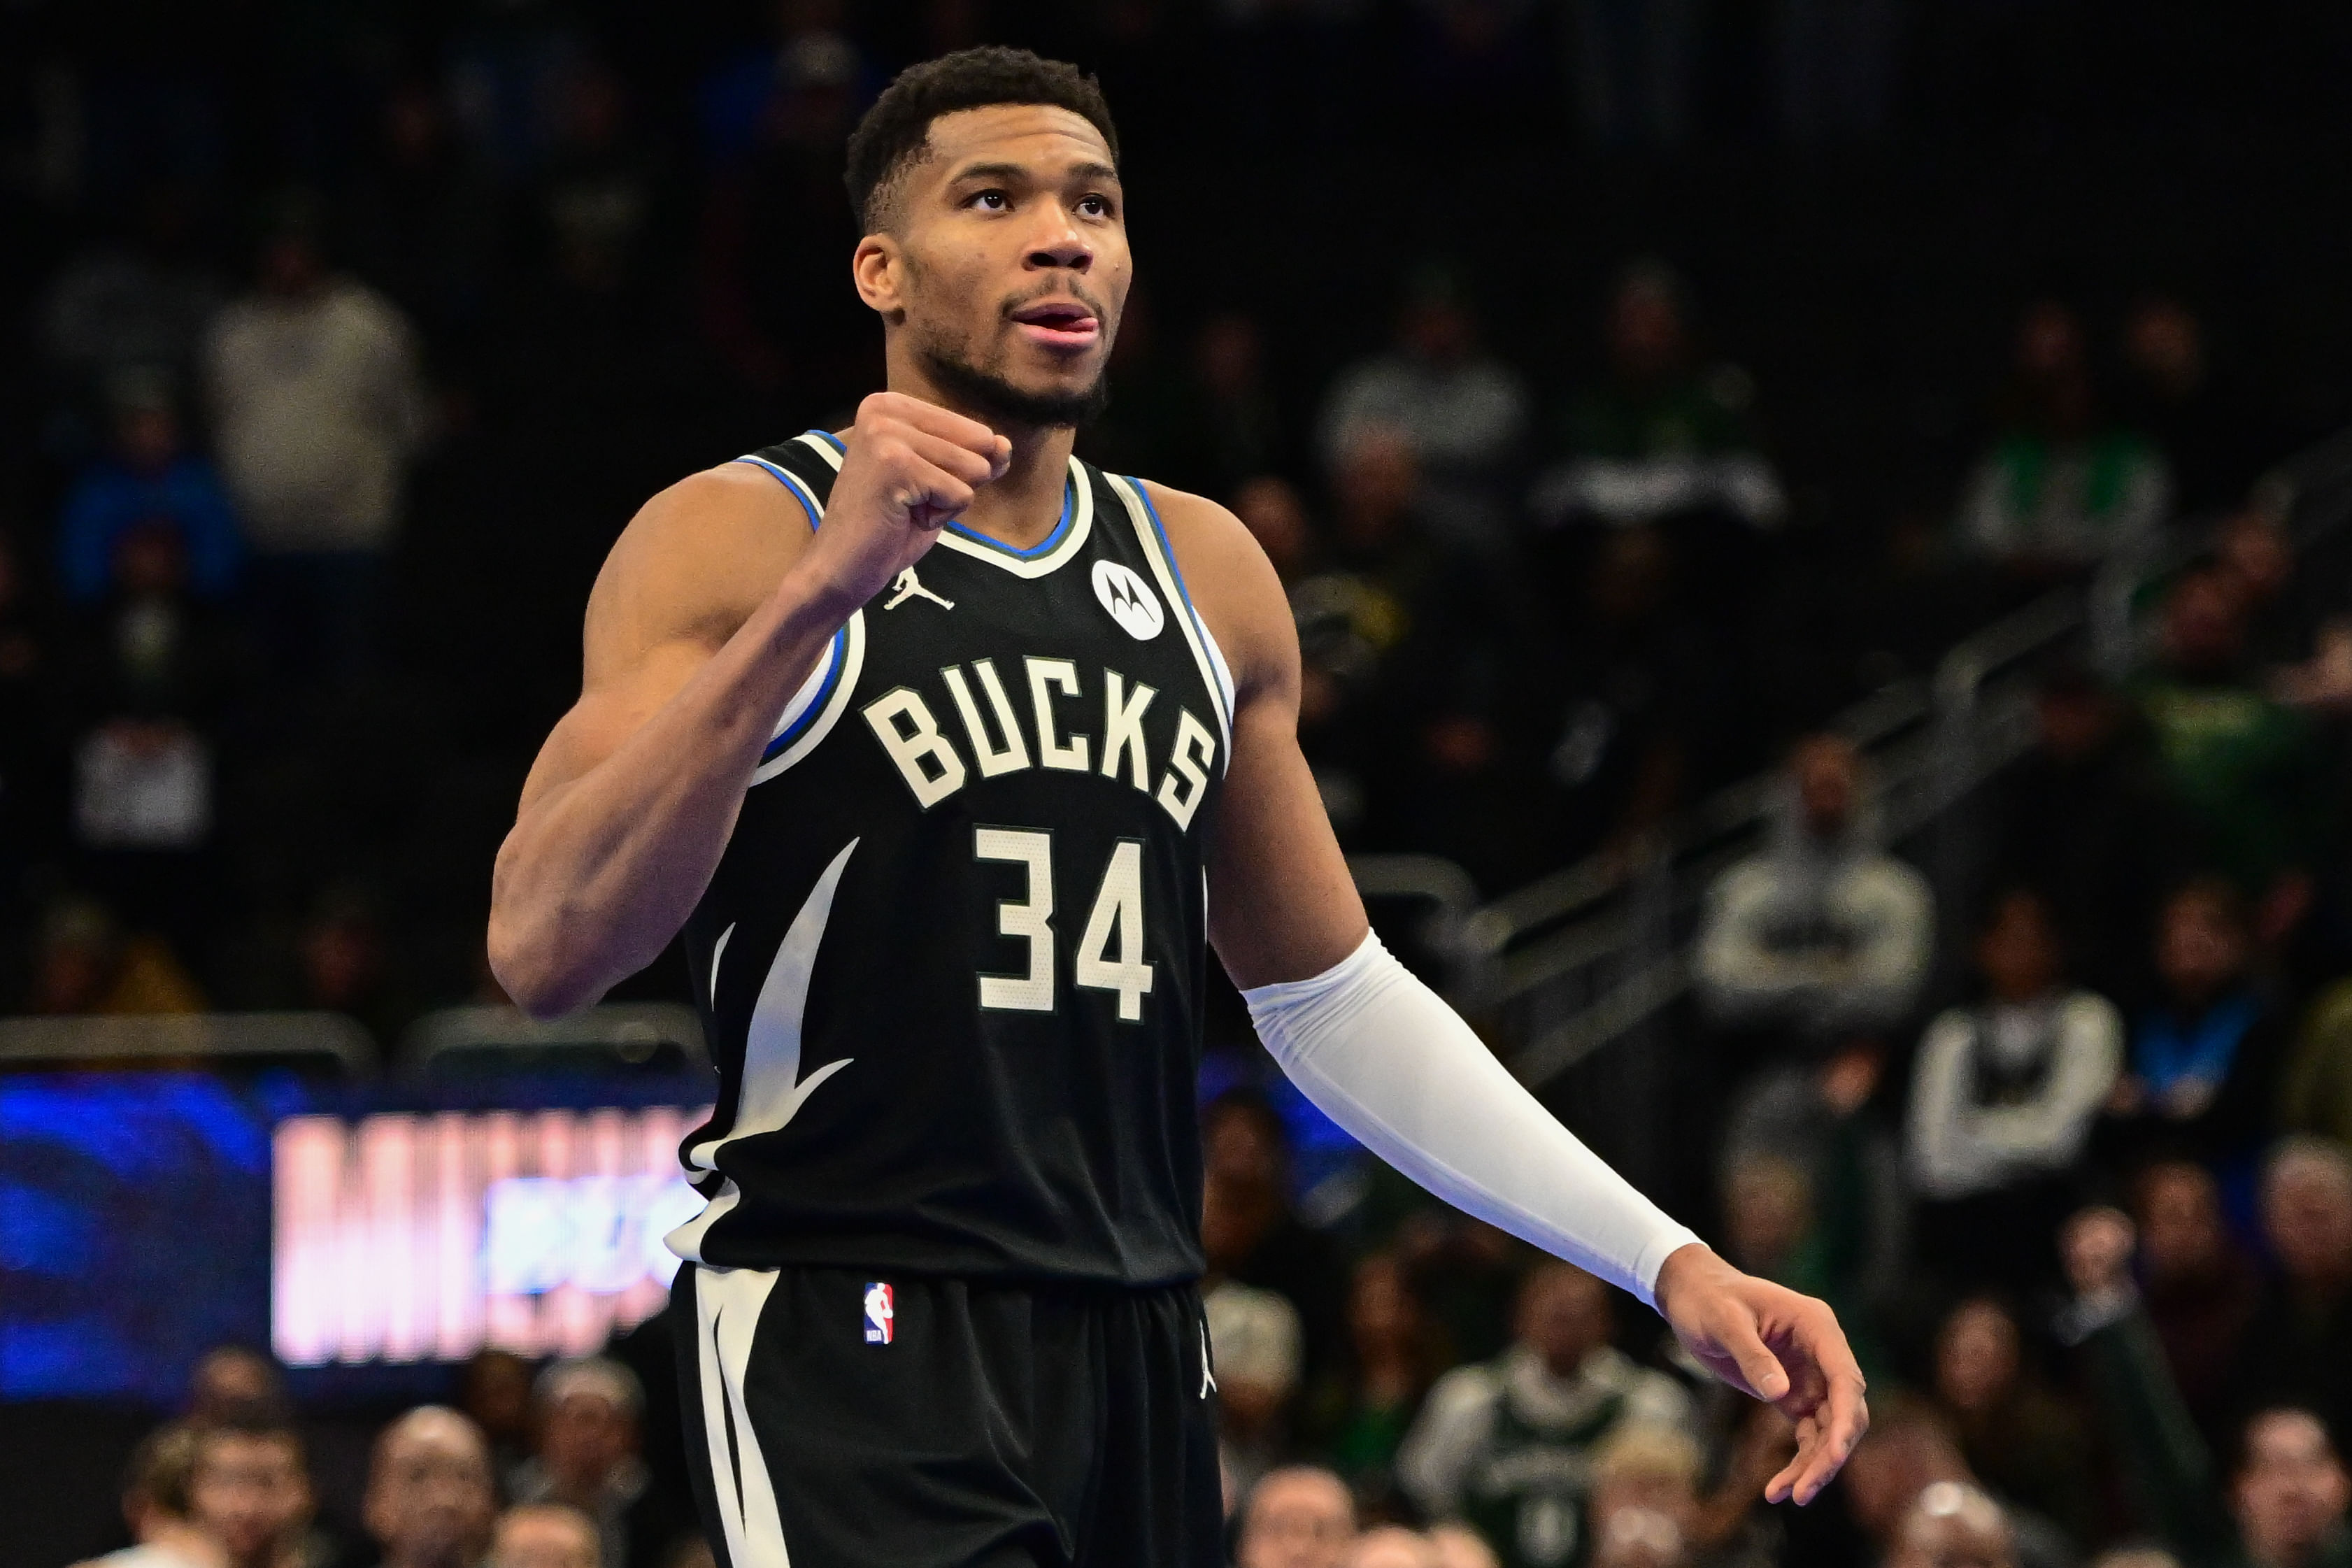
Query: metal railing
{"x":296,"y":1039}
{"x":633,"y":1036}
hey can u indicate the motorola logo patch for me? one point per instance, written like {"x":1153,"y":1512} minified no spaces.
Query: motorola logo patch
{"x":1129,"y":600}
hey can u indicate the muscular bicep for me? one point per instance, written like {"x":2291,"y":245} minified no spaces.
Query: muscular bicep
{"x":687,"y":571}
{"x":1281,"y":903}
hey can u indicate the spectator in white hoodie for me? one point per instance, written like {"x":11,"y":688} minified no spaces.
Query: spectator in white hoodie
{"x":1823,"y":936}
{"x":2002,"y":1099}
{"x":317,"y":408}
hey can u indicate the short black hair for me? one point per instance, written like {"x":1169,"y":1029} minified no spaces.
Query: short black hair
{"x":895,"y":131}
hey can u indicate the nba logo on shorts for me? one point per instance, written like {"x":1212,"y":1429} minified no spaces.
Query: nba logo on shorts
{"x":881,"y":1315}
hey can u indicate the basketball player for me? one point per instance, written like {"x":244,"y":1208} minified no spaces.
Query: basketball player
{"x":952,"y":756}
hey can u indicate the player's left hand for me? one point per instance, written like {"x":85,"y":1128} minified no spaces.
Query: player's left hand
{"x":1784,"y":1349}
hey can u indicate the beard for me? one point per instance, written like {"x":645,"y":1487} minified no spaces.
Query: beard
{"x":999,"y":403}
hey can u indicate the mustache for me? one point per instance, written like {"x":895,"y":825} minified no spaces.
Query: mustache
{"x":1057,"y":290}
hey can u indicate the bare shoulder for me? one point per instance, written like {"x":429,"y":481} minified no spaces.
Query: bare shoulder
{"x":1233,"y":584}
{"x":693,"y":564}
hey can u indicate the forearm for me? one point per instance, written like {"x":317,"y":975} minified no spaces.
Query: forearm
{"x":1381,"y":1055}
{"x":601,"y":870}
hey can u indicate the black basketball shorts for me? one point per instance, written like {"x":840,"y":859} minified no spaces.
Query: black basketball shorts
{"x":837,"y":1419}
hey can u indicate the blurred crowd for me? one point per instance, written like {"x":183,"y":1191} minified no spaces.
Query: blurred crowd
{"x":336,"y":363}
{"x":337,"y":360}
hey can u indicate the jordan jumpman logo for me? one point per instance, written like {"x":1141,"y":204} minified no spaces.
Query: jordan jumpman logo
{"x":910,"y":586}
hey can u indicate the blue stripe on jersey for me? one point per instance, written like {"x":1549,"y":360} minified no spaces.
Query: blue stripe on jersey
{"x":798,"y":727}
{"x":790,"y":482}
{"x":1061,"y":529}
{"x":1169,"y":551}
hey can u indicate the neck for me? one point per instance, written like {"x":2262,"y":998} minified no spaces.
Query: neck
{"x":1021,"y":509}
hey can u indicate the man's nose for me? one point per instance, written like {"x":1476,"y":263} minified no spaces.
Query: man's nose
{"x":1059,"y":244}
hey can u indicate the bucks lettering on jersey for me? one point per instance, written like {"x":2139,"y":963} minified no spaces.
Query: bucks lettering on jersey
{"x":950,"y":965}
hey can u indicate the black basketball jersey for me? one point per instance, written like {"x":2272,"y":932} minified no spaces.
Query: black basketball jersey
{"x":951,"y":963}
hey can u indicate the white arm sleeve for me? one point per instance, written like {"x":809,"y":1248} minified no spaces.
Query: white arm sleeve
{"x":1380,"y":1054}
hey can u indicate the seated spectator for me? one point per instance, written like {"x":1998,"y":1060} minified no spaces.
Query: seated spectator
{"x":1629,"y":696}
{"x":233,"y":1383}
{"x":2286,"y":610}
{"x":547,"y":1535}
{"x":1665,"y":436}
{"x":1393,"y":1353}
{"x":1391,"y":1546}
{"x":155,"y":1506}
{"x":1813,"y":1188}
{"x":2298,"y":1346}
{"x":249,"y":1491}
{"x":1908,"y":1450}
{"x":2204,"y":1058}
{"x":1297,"y":1516}
{"x":494,"y":1392}
{"x":85,"y":965}
{"x":2003,"y":1096}
{"x":136,"y":302}
{"x":2242,"y":767}
{"x":587,"y":1459}
{"x":2199,"y":1287}
{"x":317,"y":410}
{"x":2281,"y":1504}
{"x":2315,"y":1096}
{"x":1405,"y":665}
{"x":2063,"y":487}
{"x":431,"y":1499}
{"x":1223,"y":425}
{"x":2017,"y":1436}
{"x":1506,"y":1444}
{"x":1645,"y":1510}
{"x":1250,"y":1230}
{"x":1276,"y":515}
{"x":1823,"y":936}
{"x":1953,"y":1525}
{"x":1463,"y":412}
{"x":147,"y":479}
{"x":1254,"y":1345}
{"x":2086,"y":819}
{"x":2136,"y":1557}
{"x":2174,"y":398}
{"x":149,"y":682}
{"x":346,"y":965}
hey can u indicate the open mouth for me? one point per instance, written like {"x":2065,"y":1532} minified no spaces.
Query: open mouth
{"x":1063,"y":324}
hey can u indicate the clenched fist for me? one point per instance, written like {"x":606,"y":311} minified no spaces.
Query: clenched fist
{"x":910,"y":466}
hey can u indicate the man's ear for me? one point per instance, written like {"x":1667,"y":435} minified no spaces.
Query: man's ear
{"x":877,"y":268}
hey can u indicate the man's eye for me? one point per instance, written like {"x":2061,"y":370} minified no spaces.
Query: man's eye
{"x":1094,"y":206}
{"x":991,"y":200}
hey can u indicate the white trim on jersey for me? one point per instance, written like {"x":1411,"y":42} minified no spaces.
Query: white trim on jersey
{"x":1205,"y":652}
{"x":1052,"y":554}
{"x":718,"y":952}
{"x":844,"y":661}
{"x":792,"y":481}
{"x":772,"y":1089}
{"x":727,"y":1311}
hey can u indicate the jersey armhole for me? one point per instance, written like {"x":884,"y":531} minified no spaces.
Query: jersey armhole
{"x":1216,"y":656}
{"x":791,"y":483}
